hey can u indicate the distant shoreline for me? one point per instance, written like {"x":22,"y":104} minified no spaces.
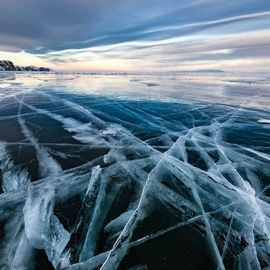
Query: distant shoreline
{"x":6,"y":65}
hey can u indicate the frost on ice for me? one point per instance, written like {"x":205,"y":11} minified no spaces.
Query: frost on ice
{"x":103,"y":183}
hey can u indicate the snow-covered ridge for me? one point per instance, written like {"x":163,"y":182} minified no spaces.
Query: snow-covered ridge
{"x":6,"y":65}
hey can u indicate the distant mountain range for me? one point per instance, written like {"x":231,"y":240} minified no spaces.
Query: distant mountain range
{"x":6,"y":65}
{"x":198,"y":70}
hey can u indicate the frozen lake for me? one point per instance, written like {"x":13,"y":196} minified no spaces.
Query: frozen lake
{"x":157,"y":171}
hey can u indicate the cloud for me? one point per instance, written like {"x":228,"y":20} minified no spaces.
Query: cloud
{"x":66,"y":30}
{"x":66,"y":24}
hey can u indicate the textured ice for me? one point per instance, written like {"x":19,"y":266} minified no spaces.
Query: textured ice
{"x":104,"y":172}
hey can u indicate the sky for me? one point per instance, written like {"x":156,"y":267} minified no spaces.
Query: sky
{"x":137,"y":35}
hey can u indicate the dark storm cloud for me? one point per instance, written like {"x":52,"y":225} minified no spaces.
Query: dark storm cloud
{"x":40,"y":27}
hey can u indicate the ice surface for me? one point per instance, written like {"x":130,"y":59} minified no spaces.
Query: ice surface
{"x":105,"y":172}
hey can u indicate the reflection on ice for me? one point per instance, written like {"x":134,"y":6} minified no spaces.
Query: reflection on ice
{"x":139,"y":180}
